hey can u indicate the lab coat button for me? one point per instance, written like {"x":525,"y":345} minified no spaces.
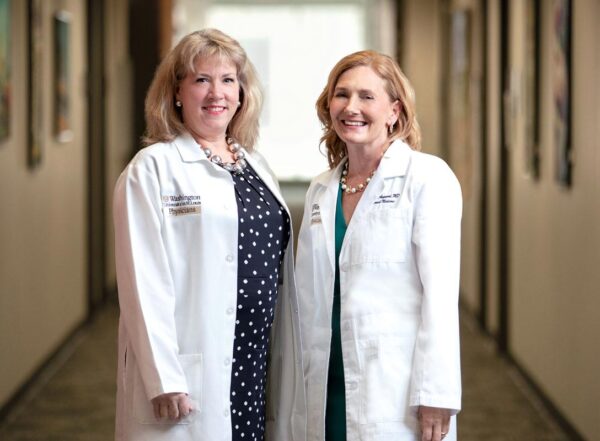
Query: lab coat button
{"x":227,"y":361}
{"x":229,"y":258}
{"x":230,"y":311}
{"x":226,"y":413}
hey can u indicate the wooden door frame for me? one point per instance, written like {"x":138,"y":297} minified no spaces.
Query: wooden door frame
{"x":96,"y":164}
{"x":504,"y":184}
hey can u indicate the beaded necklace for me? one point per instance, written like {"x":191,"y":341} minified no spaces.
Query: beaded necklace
{"x":360,"y":187}
{"x":236,"y":167}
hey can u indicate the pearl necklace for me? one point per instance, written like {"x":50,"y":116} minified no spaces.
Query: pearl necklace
{"x":360,"y":187}
{"x":236,"y":167}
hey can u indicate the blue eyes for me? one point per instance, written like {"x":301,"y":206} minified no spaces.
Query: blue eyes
{"x":206,"y":80}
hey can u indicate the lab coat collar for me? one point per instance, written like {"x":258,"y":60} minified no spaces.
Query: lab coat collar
{"x":191,"y":151}
{"x":266,"y":175}
{"x":188,"y":148}
{"x":395,"y":160}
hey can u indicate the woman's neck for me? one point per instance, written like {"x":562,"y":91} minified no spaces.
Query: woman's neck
{"x":363,"y":160}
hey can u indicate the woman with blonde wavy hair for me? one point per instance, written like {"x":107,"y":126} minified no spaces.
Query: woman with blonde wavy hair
{"x":378,"y":267}
{"x":209,"y":315}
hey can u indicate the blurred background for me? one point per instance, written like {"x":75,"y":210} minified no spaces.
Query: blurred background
{"x":506,"y":93}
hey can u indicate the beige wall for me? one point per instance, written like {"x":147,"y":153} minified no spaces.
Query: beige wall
{"x":555,"y":238}
{"x":43,"y":255}
{"x":421,"y":63}
{"x":554,"y":232}
{"x":471,"y":154}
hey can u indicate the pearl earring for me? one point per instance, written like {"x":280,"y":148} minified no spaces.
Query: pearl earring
{"x":178,"y":103}
{"x":239,"y":103}
{"x":391,"y":128}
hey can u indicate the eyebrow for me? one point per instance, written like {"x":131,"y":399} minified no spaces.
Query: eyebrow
{"x":345,"y":89}
{"x":229,"y":74}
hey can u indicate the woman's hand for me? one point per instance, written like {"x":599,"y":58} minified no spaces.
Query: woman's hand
{"x":435,"y":423}
{"x":173,"y":406}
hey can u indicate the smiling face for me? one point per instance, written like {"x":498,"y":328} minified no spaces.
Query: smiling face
{"x":209,"y":98}
{"x":361,"y":110}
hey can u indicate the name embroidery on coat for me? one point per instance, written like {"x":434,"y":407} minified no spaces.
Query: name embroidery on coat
{"x":315,"y":214}
{"x":178,"y":205}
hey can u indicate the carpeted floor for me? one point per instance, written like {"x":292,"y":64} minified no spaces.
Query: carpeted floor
{"x":74,"y":399}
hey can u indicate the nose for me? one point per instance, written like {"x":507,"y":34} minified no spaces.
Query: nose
{"x":215,"y":91}
{"x":351,"y":105}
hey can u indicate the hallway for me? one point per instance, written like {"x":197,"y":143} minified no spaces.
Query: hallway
{"x":74,"y":398}
{"x":503,"y":95}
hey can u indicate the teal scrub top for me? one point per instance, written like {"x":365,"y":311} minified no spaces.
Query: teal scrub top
{"x":335,"y":414}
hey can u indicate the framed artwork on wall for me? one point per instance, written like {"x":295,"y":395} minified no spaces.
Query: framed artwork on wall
{"x":561,"y":82}
{"x":35,"y":144}
{"x":532,"y":89}
{"x":5,"y":65}
{"x":62,"y":77}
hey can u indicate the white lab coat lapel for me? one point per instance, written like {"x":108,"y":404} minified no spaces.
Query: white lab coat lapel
{"x":267,"y":178}
{"x":189,"y":149}
{"x":394,"y":163}
{"x":327,"y":206}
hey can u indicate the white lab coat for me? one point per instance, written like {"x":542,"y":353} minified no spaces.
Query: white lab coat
{"x":399,"y":274}
{"x":176,"y":230}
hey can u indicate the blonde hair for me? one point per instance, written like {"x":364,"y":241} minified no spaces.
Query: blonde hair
{"x":397,"y":87}
{"x":164,"y":119}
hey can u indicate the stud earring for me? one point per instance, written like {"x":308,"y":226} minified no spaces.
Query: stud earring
{"x":178,"y":103}
{"x":239,"y":103}
{"x":391,"y":129}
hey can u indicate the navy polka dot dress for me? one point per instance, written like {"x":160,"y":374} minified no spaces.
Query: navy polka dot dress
{"x":264,"y":230}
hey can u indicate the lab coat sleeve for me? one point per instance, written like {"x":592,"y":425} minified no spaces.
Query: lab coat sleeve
{"x":437,"y":205}
{"x":146,"y":292}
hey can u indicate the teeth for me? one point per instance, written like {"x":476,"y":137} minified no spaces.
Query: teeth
{"x":354,"y":123}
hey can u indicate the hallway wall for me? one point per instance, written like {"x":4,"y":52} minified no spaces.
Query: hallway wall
{"x":553,"y":231}
{"x":421,"y":27}
{"x":43,"y":251}
{"x":555,"y":234}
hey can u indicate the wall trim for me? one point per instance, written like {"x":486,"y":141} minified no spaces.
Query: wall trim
{"x":556,"y":414}
{"x":46,"y":369}
{"x":468,"y":314}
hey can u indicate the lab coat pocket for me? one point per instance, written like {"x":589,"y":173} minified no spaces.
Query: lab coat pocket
{"x":385,"y":379}
{"x":142,"y":407}
{"x":381,"y":236}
